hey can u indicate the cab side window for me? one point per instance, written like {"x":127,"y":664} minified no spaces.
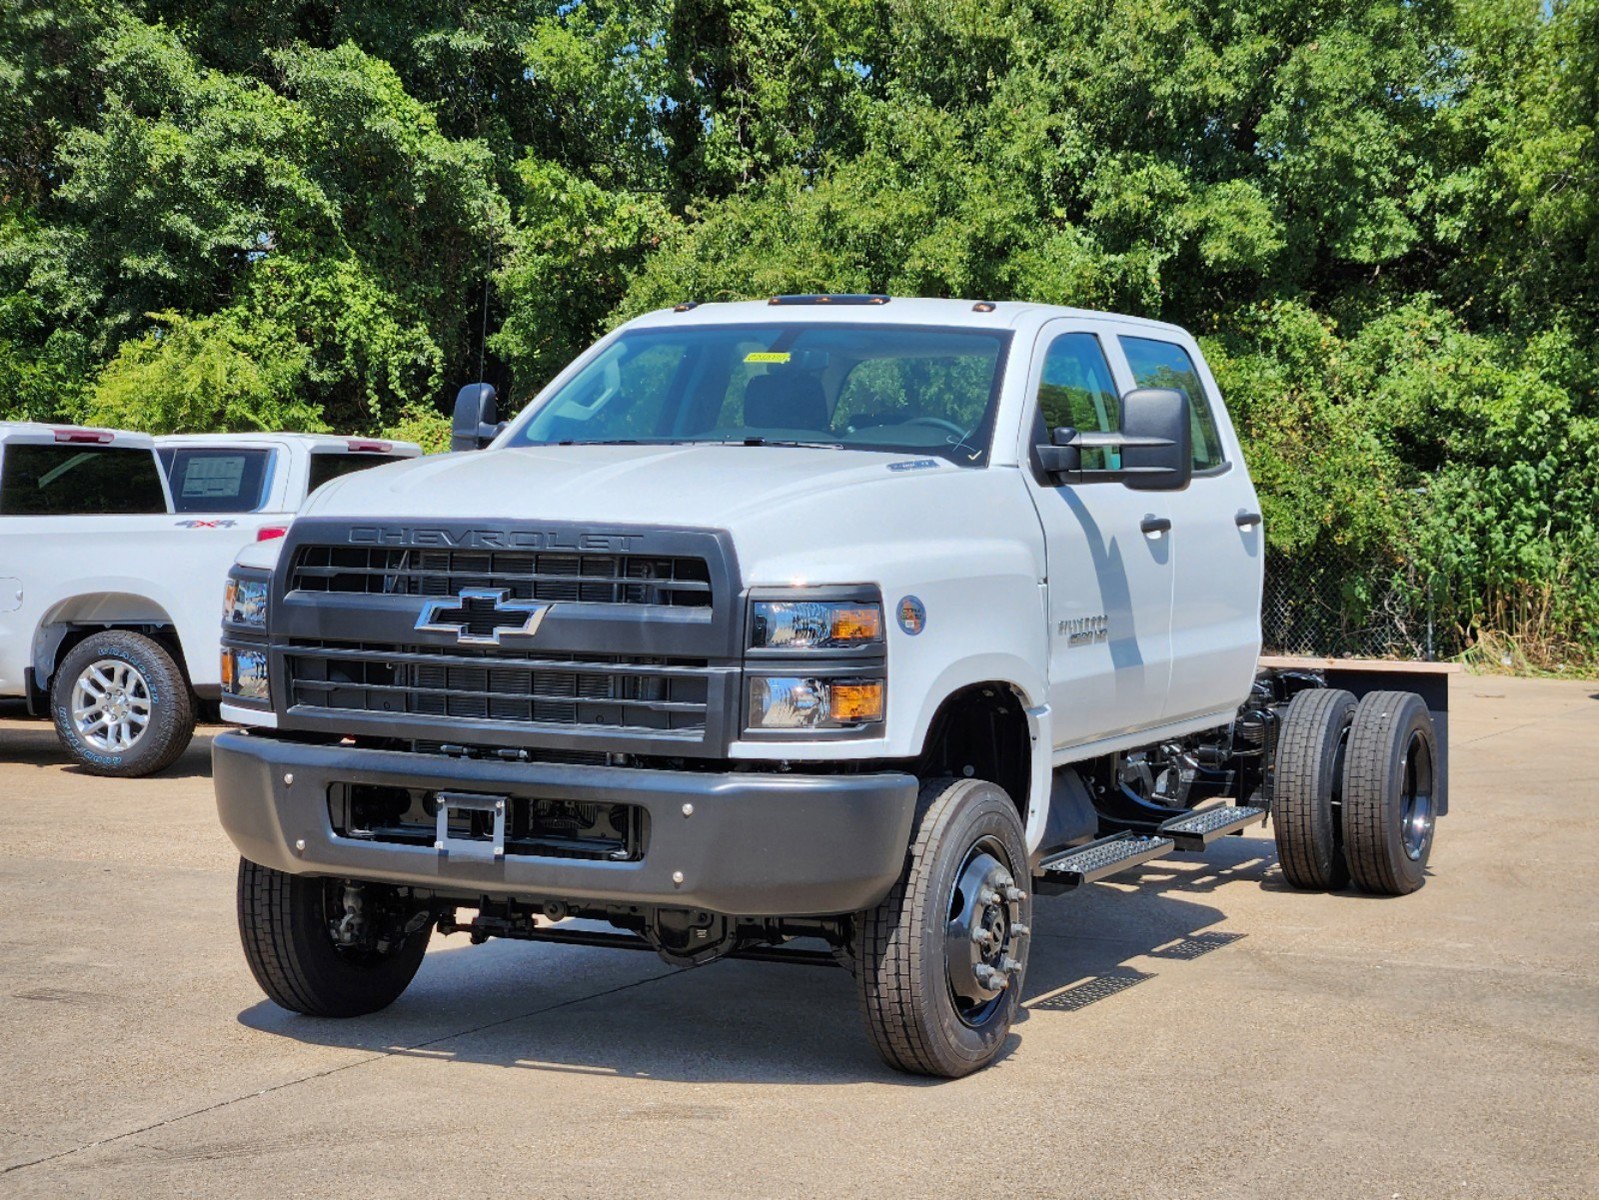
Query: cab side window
{"x":1157,"y":364}
{"x":1077,"y":392}
{"x":56,"y":481}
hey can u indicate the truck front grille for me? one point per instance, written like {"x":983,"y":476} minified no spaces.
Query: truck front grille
{"x":613,"y":692}
{"x":675,"y":581}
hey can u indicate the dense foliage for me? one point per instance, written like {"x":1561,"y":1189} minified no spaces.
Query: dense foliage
{"x":1382,"y":216}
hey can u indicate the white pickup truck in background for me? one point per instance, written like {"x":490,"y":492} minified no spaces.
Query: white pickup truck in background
{"x":109,"y":578}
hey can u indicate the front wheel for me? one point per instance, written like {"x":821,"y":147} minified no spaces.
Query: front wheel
{"x":121,"y":705}
{"x":328,"y":947}
{"x":940,"y":962}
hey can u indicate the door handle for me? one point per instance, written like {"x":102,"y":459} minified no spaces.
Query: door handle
{"x":1155,"y":526}
{"x":1247,"y":520}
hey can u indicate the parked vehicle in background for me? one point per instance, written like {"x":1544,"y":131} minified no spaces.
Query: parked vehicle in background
{"x":264,"y":472}
{"x":109,"y":576}
{"x":838,"y":617}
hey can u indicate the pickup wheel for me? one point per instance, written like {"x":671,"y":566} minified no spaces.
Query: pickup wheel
{"x":121,"y":705}
{"x":288,"y":923}
{"x":940,"y":962}
{"x":1389,"y":801}
{"x":1309,"y":779}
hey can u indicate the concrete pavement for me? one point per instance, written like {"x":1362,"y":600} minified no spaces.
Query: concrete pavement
{"x":1194,"y":1029}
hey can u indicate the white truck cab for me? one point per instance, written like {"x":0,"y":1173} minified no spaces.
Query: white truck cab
{"x":845,"y":617}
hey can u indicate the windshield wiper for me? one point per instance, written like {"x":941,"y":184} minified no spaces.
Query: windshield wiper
{"x":761,"y":441}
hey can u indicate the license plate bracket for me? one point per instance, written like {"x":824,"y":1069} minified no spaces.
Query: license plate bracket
{"x":471,"y":849}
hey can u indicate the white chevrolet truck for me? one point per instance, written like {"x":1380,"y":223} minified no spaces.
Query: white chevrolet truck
{"x":108,"y":573}
{"x":836,"y":617}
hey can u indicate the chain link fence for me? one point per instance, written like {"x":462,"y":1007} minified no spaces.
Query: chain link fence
{"x":1337,"y":604}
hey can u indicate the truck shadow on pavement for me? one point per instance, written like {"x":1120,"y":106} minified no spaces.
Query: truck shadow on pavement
{"x":623,"y":1014}
{"x":32,"y":742}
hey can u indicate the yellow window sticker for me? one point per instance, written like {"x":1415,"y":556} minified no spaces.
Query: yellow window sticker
{"x":767,"y":356}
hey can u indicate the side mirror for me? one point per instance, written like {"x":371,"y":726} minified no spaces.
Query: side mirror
{"x":475,"y":423}
{"x":1155,"y":440}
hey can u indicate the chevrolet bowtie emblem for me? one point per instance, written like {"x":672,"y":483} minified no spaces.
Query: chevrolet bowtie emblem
{"x":481,"y":616}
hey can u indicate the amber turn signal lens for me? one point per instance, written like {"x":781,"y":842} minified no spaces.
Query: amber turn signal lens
{"x":857,"y":702}
{"x":857,"y":624}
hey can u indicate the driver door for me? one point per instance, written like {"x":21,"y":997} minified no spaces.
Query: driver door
{"x":1109,"y":570}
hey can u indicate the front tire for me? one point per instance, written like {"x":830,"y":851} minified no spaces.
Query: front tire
{"x":940,"y":962}
{"x":286,"y":924}
{"x":122,"y":705}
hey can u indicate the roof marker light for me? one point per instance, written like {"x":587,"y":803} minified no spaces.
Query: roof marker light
{"x":831,"y":298}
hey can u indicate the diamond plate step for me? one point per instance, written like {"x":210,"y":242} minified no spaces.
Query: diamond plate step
{"x":1196,"y":830}
{"x":1085,"y":864}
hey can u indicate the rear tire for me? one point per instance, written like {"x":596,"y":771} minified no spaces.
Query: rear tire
{"x":1309,"y":778}
{"x":927,"y":956}
{"x":121,"y":704}
{"x":1390,"y":777}
{"x":284,"y":923}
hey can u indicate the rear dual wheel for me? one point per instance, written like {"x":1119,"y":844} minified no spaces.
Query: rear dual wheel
{"x":1355,"y":791}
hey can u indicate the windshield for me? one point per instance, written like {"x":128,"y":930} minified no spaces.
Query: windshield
{"x":877,"y":387}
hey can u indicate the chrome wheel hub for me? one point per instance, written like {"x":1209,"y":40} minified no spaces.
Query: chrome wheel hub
{"x":110,"y":705}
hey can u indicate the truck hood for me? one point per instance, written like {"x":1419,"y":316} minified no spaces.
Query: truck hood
{"x":792,"y":511}
{"x":658,"y":485}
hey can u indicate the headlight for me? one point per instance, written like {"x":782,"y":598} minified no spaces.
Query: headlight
{"x":788,"y":702}
{"x":244,"y":675}
{"x":815,"y":624}
{"x":245,"y":601}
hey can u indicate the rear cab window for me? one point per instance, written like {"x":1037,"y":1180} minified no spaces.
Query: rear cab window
{"x":327,"y":466}
{"x":1162,"y":364}
{"x":78,"y":480}
{"x":219,"y":479}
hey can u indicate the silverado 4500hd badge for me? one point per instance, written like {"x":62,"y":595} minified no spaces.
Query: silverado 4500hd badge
{"x":1085,"y":631}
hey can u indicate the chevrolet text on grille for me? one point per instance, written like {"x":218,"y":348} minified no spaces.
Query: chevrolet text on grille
{"x":493,"y":539}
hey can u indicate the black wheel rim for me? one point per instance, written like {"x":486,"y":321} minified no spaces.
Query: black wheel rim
{"x":1415,"y":801}
{"x":984,"y":937}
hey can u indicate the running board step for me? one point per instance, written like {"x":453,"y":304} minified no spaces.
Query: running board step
{"x":1085,"y":864}
{"x":1196,"y":830}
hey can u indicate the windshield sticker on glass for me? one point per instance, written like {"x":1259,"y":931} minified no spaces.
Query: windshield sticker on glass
{"x":767,"y":356}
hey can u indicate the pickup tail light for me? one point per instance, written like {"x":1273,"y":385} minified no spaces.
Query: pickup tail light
{"x":267,"y":532}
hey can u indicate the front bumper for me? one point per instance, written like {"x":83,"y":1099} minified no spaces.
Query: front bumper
{"x":755,"y":844}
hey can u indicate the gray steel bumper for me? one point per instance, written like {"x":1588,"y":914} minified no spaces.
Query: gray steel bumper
{"x":755,"y":845}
